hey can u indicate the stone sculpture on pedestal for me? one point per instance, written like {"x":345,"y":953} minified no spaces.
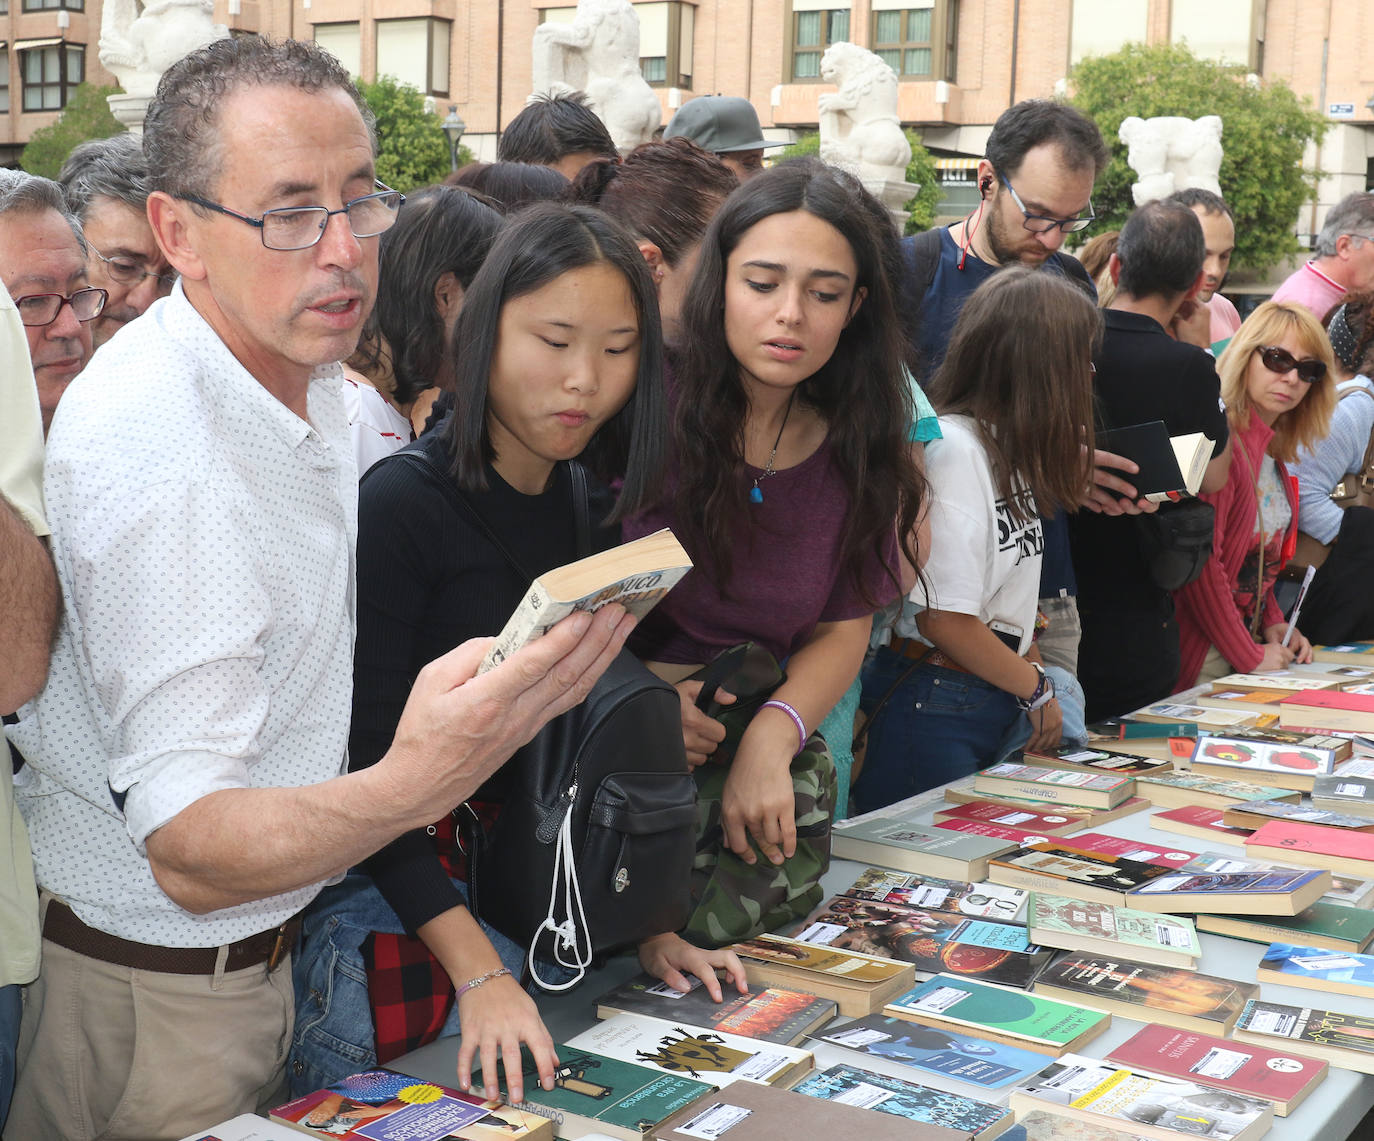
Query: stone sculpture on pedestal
{"x":1171,"y":153}
{"x":598,"y":53}
{"x":138,"y":42}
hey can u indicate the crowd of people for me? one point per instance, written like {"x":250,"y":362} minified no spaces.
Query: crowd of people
{"x":332,"y":432}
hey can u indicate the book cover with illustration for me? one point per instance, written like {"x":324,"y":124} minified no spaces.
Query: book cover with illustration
{"x":983,"y":900}
{"x":1153,"y":1107}
{"x":1182,"y":789}
{"x":1219,"y":1063}
{"x":853,"y":1086}
{"x":1338,"y":1037}
{"x":1178,"y":997}
{"x":915,"y":847}
{"x":596,"y":1094}
{"x":1253,"y":815}
{"x":381,"y":1105}
{"x":1279,"y":766}
{"x":937,"y":1052}
{"x":1235,"y":893}
{"x":1172,"y":712}
{"x":1055,"y":786}
{"x":856,"y":983}
{"x":931,"y":941}
{"x":771,"y":1014}
{"x":1341,"y":972}
{"x":1040,"y":1125}
{"x":1083,"y":758}
{"x":972,"y":1007}
{"x":1076,"y":925}
{"x":706,"y":1055}
{"x":1061,"y":869}
{"x":1349,"y":890}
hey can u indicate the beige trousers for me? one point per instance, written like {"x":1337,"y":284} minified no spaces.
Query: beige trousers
{"x":108,"y":1054}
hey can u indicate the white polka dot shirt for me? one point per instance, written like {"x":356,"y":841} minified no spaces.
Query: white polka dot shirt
{"x":204,"y":539}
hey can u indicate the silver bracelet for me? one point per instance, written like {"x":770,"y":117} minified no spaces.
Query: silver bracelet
{"x":473,"y":984}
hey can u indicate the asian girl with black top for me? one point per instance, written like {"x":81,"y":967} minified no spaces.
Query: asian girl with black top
{"x":557,"y":356}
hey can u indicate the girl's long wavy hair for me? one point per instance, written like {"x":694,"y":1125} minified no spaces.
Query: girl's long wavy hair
{"x":1020,"y":366}
{"x":862,"y":392}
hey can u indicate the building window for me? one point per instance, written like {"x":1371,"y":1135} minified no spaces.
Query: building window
{"x":918,"y":43}
{"x":812,"y":33}
{"x":415,"y":52}
{"x":4,"y":81}
{"x":344,"y":43}
{"x":52,"y":5}
{"x":666,"y":31}
{"x":50,"y":75}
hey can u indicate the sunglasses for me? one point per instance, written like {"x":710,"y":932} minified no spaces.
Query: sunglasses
{"x":1281,"y":361}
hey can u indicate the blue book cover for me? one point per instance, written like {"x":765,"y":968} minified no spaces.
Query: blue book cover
{"x":926,"y":1049}
{"x":902,"y":1099}
{"x":1319,"y":967}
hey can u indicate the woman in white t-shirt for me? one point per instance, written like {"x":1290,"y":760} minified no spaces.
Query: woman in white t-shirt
{"x":1015,"y":400}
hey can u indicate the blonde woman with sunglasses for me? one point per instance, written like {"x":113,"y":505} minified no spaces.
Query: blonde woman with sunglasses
{"x":1278,"y":385}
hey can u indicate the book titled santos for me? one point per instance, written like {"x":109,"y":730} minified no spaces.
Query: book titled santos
{"x":636,"y":575}
{"x":1087,"y":1089}
{"x":1075,"y":925}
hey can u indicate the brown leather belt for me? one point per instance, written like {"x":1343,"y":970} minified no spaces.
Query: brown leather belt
{"x":63,"y":927}
{"x":919,"y":651}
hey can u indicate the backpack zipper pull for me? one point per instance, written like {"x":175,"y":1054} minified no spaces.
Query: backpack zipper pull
{"x":547,"y":832}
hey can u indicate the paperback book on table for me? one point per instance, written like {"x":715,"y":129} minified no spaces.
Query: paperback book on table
{"x":1232,"y":893}
{"x":1220,"y":1064}
{"x":1000,"y":1014}
{"x":1039,"y":1125}
{"x":636,"y":575}
{"x":1287,"y":681}
{"x":1088,"y":817}
{"x":1076,"y":925}
{"x":931,"y":941}
{"x":850,"y":1085}
{"x":1175,"y":996}
{"x":855,"y":983}
{"x":1338,"y":744}
{"x":1138,"y":850}
{"x":1055,"y":821}
{"x":1325,"y":924}
{"x":1349,"y":793}
{"x":1344,"y":653}
{"x":1061,"y":869}
{"x":1055,"y":786}
{"x":1314,"y":846}
{"x":935,"y":1054}
{"x":1315,"y":968}
{"x":1244,"y":700}
{"x":245,"y":1127}
{"x":771,"y":1014}
{"x":1276,"y":766}
{"x":981,"y":899}
{"x":1182,"y":789}
{"x":1334,"y":1036}
{"x":1328,"y":711}
{"x":749,"y":1112}
{"x":1172,"y":713}
{"x":915,"y":848}
{"x":1083,"y":758}
{"x":680,"y":1048}
{"x":1349,"y":890}
{"x":382,"y":1105}
{"x":1253,"y":815}
{"x":596,"y":1094}
{"x":1092,"y":1090}
{"x":1204,"y":823}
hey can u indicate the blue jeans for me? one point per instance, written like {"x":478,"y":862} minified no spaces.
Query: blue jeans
{"x":1071,"y":701}
{"x":11,"y":1007}
{"x":334,"y":1035}
{"x":939,"y":725}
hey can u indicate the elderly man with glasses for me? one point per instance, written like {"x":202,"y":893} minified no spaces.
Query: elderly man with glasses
{"x":182,"y":788}
{"x":105,"y":182}
{"x":1344,"y":261}
{"x":43,"y":265}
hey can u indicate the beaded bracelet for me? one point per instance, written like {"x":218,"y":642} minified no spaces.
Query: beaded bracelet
{"x":473,"y":984}
{"x":796,"y":720}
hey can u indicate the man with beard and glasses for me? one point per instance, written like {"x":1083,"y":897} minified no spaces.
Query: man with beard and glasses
{"x":183,"y":791}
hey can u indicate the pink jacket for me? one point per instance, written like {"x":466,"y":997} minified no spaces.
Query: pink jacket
{"x":1207,"y":613}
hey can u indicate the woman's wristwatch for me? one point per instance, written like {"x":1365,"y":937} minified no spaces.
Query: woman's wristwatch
{"x":1044,"y":691}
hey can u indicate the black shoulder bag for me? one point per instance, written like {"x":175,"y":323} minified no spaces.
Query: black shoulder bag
{"x":593,"y":846}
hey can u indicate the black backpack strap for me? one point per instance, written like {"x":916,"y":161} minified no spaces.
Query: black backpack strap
{"x":920,"y":258}
{"x":1074,"y":271}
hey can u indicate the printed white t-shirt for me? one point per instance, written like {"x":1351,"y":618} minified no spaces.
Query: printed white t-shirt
{"x":982,"y":561}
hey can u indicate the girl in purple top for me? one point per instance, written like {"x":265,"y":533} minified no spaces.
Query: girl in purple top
{"x":790,"y":481}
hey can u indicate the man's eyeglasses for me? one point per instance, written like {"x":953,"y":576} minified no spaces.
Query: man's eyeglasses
{"x":126,"y":271}
{"x":1040,"y":224}
{"x":300,"y":227}
{"x":1281,"y":361}
{"x":37,"y":309}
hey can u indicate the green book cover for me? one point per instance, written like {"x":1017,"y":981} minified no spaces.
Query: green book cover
{"x":1239,"y":790}
{"x":1333,"y":920}
{"x":1124,"y":925}
{"x":968,"y":1003}
{"x":606,"y":1091}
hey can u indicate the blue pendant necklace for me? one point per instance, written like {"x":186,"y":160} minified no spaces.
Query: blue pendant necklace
{"x":756,"y":492}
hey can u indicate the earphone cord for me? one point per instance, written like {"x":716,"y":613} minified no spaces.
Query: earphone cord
{"x":967,"y":243}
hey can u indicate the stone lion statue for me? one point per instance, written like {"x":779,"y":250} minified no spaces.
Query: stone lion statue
{"x":1171,"y":153}
{"x":860,"y":128}
{"x":139,"y":41}
{"x":598,"y":53}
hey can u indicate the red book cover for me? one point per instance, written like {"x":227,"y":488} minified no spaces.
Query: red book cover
{"x":1235,"y":1067}
{"x":996,"y":831}
{"x":1333,"y":699}
{"x":1314,"y":838}
{"x":1133,"y":849}
{"x":1203,"y":818}
{"x":986,"y":812}
{"x":1332,"y":710}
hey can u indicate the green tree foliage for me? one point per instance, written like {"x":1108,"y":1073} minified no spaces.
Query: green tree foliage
{"x":920,"y":170}
{"x":412,"y":149}
{"x":87,"y":116}
{"x":1265,"y":130}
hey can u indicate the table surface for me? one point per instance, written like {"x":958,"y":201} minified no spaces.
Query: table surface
{"x":1332,"y":1111}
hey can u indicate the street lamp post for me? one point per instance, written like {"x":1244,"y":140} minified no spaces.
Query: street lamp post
{"x":453,"y":127}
